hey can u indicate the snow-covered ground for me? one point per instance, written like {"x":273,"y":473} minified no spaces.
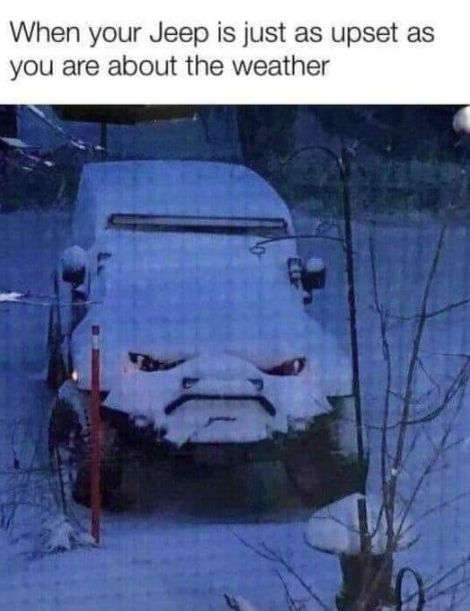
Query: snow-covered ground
{"x":178,"y":550}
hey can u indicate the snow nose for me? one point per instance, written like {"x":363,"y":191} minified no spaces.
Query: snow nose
{"x":188,"y":383}
{"x":221,"y":378}
{"x":221,"y":366}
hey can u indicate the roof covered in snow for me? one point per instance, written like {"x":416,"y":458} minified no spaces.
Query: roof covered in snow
{"x":14,"y":143}
{"x":195,"y":188}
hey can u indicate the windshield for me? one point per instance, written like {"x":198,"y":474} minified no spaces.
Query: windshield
{"x":266,"y":227}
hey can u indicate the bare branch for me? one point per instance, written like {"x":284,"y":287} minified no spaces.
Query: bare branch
{"x":276,"y":557}
{"x":384,"y":454}
{"x":431,"y":510}
{"x":427,"y":470}
{"x":292,"y":604}
{"x":464,"y":562}
{"x":410,"y":378}
{"x":432,"y":314}
{"x":461,"y":379}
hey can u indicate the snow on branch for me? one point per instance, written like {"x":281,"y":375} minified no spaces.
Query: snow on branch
{"x":29,"y":298}
{"x":11,"y":297}
{"x":74,"y":142}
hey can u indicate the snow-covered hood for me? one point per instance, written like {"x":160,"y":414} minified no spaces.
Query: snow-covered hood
{"x":226,"y":316}
{"x":171,"y":296}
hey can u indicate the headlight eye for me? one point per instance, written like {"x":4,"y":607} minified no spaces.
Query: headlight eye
{"x":147,"y":363}
{"x":288,"y":368}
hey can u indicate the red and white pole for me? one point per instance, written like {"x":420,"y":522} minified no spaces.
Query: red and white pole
{"x":95,"y":406}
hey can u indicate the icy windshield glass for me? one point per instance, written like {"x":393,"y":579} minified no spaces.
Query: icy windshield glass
{"x":269,"y":227}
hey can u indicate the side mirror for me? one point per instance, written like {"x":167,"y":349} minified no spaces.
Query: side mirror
{"x":73,"y":265}
{"x":313,"y":274}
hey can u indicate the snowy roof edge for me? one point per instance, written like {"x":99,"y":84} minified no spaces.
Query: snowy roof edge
{"x":177,"y":186}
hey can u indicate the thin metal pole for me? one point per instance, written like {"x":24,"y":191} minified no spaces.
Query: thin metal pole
{"x":95,"y":434}
{"x":342,"y":161}
{"x":345,"y":171}
{"x":351,"y":281}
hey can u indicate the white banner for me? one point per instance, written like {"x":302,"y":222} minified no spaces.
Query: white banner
{"x":184,"y":52}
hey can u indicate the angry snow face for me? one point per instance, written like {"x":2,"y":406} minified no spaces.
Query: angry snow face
{"x":204,"y":339}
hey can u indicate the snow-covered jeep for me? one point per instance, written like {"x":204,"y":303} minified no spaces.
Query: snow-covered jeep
{"x":207,"y":349}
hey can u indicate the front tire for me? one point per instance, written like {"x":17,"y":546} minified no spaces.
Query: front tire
{"x":317,"y":469}
{"x":69,"y":448}
{"x":111,"y":472}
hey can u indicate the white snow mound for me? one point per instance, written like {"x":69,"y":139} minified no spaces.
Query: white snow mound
{"x":59,"y":535}
{"x":335,"y":528}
